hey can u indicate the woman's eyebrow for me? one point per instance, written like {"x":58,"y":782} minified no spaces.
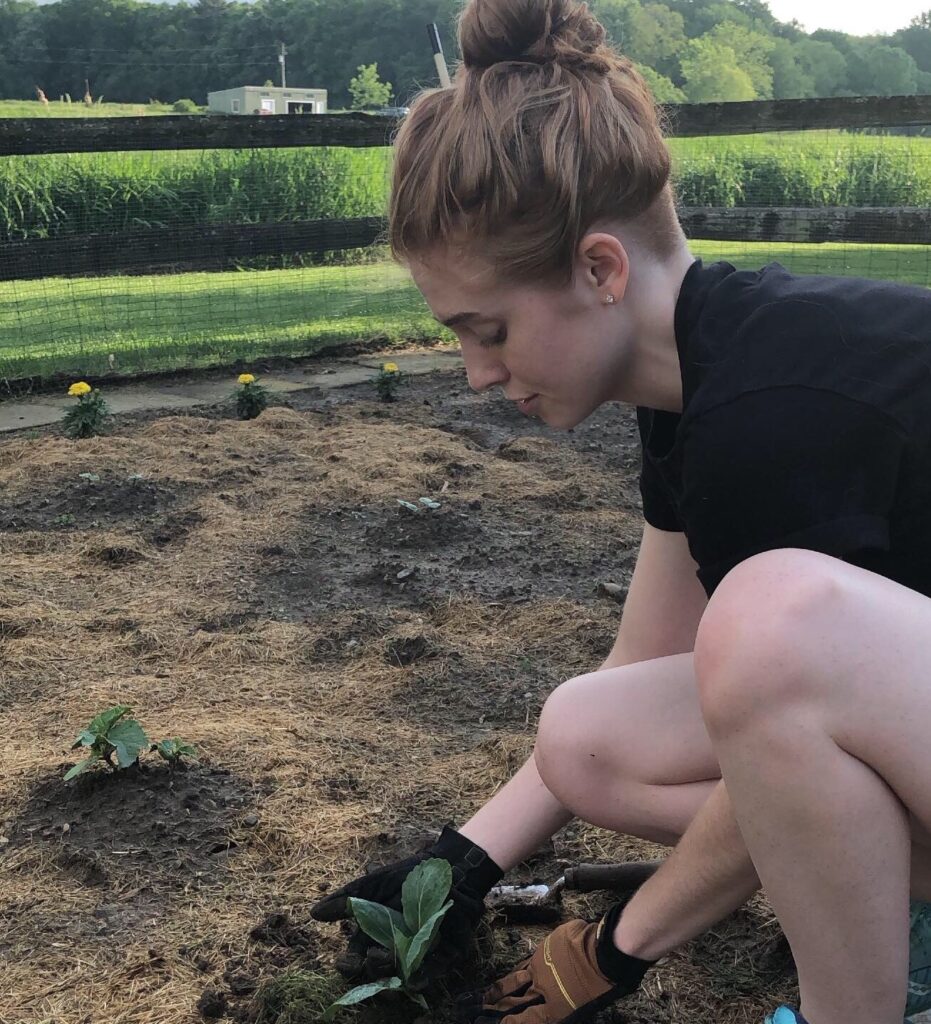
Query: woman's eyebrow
{"x":458,"y":318}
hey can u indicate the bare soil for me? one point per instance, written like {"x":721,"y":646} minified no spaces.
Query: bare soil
{"x":353,"y":673}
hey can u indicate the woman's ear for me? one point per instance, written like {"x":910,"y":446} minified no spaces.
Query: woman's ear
{"x":604,"y":265}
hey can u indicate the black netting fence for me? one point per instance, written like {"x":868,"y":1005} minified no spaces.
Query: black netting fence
{"x":142,"y":261}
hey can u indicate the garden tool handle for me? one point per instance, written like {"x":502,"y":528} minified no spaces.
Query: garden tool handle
{"x":621,"y":878}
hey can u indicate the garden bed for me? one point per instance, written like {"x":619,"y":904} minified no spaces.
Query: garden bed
{"x":353,"y":673}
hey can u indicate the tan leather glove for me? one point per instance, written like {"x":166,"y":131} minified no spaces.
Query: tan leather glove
{"x":573,"y":974}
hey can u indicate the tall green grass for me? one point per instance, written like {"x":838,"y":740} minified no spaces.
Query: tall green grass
{"x":56,"y":196}
{"x":803,"y":169}
{"x":43,"y":197}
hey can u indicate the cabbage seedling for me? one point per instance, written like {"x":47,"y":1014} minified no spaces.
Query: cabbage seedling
{"x":409,"y":936}
{"x":174,"y":749}
{"x":110,"y":733}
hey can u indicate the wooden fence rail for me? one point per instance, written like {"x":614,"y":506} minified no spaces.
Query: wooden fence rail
{"x":23,"y":136}
{"x":158,"y":249}
{"x":216,"y":245}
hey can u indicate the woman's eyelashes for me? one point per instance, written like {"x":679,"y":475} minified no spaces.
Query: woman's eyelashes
{"x":498,"y":339}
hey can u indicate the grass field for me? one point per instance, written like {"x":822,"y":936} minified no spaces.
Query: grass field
{"x":59,"y":108}
{"x":188,"y":320}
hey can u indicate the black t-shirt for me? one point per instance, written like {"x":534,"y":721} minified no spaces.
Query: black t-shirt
{"x":806,"y":423}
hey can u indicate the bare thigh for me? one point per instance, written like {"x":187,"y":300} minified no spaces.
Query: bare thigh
{"x":627,"y":749}
{"x":876,"y":636}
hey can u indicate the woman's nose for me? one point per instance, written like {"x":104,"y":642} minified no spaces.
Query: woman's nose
{"x":484,"y":374}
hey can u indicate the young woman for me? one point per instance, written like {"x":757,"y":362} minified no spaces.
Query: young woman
{"x":777,"y":631}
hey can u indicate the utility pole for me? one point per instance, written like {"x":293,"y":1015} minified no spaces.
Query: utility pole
{"x":441,"y":69}
{"x":282,"y":53}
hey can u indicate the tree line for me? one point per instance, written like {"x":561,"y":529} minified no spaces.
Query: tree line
{"x":690,"y":50}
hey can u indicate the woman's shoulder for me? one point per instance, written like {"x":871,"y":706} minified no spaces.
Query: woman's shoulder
{"x":867,"y":340}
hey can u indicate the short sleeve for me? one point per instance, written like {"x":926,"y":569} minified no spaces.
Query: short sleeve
{"x":788,"y":467}
{"x":659,"y":508}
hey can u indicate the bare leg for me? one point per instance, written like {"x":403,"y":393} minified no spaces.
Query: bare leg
{"x":820,"y":713}
{"x":624,"y":748}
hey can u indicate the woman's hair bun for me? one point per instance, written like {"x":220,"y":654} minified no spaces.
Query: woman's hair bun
{"x":535,"y":31}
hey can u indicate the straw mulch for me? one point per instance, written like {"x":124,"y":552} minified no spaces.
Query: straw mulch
{"x":237,"y":585}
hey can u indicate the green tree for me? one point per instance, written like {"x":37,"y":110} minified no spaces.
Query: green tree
{"x":656,"y":35}
{"x":916,"y":40}
{"x":368,"y":90}
{"x":826,"y":65}
{"x":875,"y":69}
{"x":791,"y":79}
{"x":752,"y":50}
{"x":711,"y":73}
{"x":663,"y":89}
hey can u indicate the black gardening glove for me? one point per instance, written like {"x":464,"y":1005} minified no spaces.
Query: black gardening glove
{"x":474,"y":874}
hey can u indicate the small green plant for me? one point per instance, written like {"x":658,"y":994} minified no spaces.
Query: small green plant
{"x":111,"y":732}
{"x":185,"y":106}
{"x":387,"y":381}
{"x":65,"y":519}
{"x":423,"y":503}
{"x":89,"y":417}
{"x":251,"y":397}
{"x":174,"y":750}
{"x":408,"y":935}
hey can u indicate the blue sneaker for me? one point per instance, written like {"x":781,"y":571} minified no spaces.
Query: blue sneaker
{"x":785,"y":1016}
{"x":919,"y":959}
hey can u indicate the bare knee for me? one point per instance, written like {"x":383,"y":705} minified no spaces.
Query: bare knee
{"x":760,"y":633}
{"x":569,"y":749}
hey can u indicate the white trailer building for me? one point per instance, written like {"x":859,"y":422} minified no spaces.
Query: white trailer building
{"x":258,"y":99}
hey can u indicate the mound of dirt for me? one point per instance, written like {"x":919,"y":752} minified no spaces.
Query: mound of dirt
{"x":103,"y":825}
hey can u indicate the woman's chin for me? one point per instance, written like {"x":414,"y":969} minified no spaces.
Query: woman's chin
{"x":562,"y":418}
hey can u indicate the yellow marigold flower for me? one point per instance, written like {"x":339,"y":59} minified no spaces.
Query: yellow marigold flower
{"x":389,"y":367}
{"x":246,"y":378}
{"x":79,"y":388}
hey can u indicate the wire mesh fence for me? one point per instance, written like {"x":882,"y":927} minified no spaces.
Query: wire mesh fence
{"x":134,"y":261}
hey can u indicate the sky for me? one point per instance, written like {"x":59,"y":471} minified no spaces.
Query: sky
{"x":858,"y":17}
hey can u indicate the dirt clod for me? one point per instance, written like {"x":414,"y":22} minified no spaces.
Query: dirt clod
{"x":212,"y":1005}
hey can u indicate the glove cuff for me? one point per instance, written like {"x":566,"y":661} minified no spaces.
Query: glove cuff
{"x":471,"y":866}
{"x":624,"y":970}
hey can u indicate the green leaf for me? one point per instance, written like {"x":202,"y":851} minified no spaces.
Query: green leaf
{"x":402,"y":944}
{"x":81,"y":766}
{"x":424,"y":939}
{"x":423,"y":892}
{"x":174,"y":749}
{"x":377,"y":921}
{"x":128,"y":739}
{"x":85,"y":739}
{"x":360,"y":992}
{"x":418,"y":999}
{"x":105,"y":721}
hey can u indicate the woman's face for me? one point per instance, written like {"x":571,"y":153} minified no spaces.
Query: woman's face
{"x":557,"y":351}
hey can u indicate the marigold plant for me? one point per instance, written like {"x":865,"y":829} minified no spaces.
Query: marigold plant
{"x":387,"y":381}
{"x":88,"y":417}
{"x":251,"y":397}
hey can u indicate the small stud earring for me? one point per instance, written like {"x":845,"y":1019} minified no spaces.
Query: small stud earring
{"x":609,"y":299}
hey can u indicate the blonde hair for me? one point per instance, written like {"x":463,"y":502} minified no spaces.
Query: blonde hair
{"x":545,"y":132}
